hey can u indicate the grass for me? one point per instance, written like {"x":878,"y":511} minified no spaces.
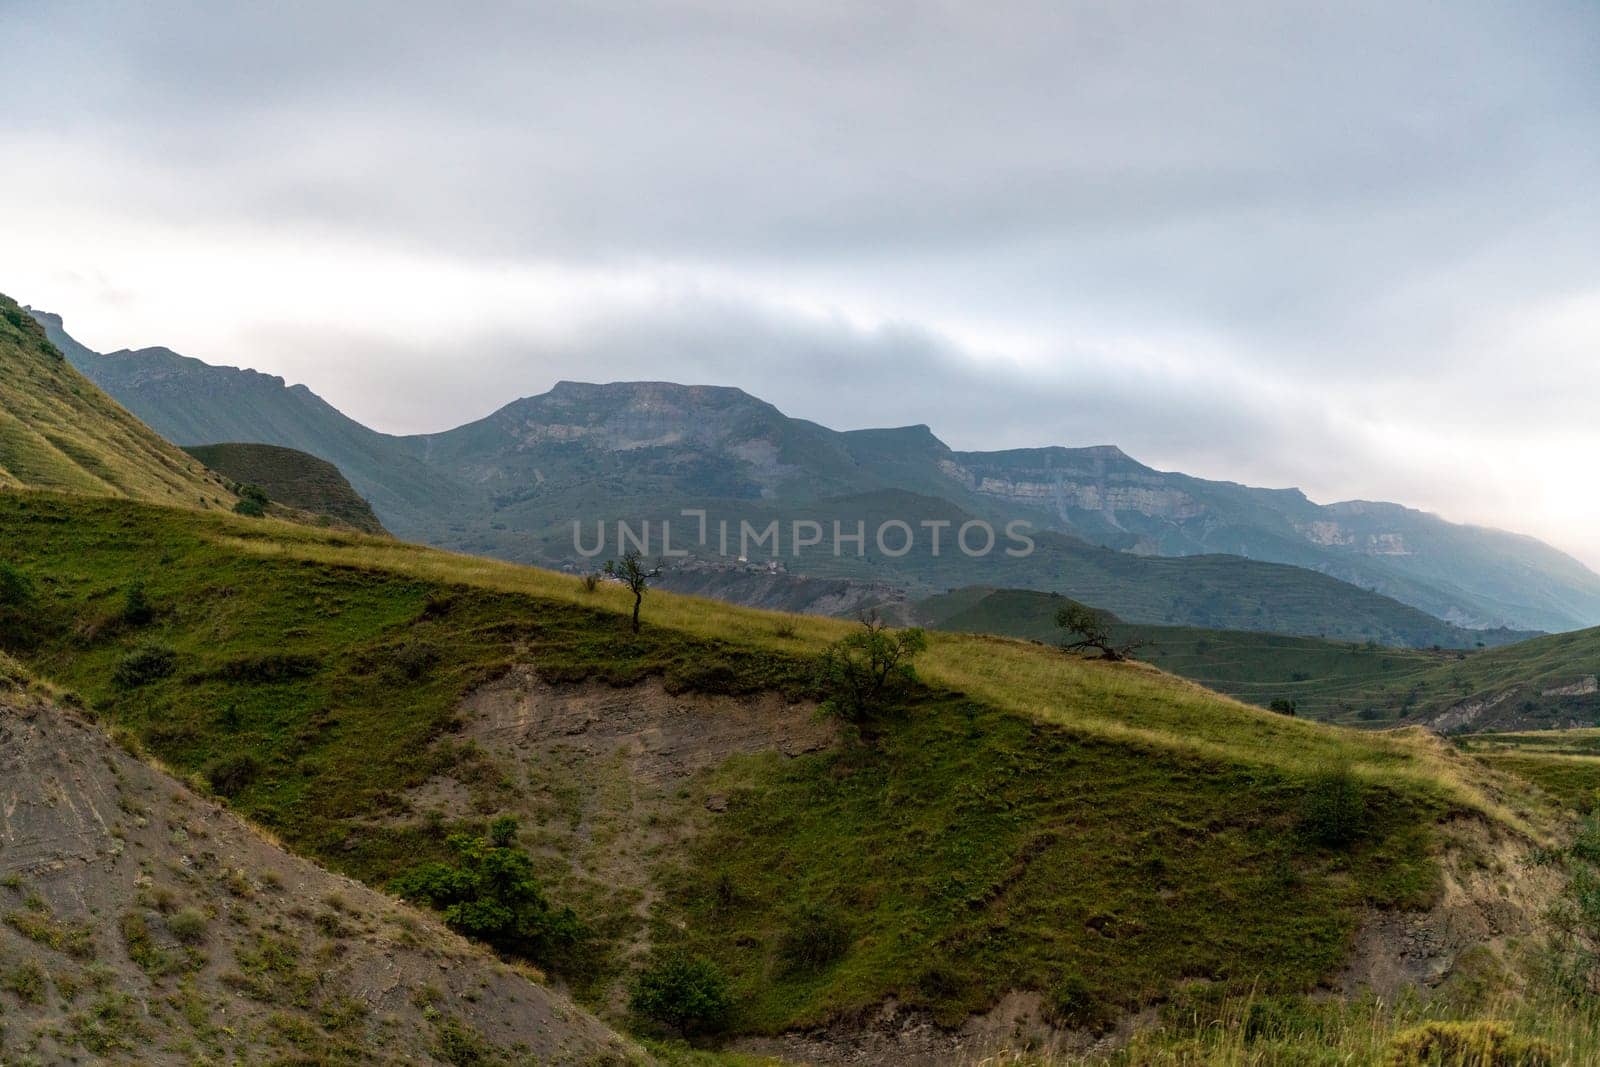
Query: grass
{"x":1563,"y":763}
{"x":1036,"y":817}
{"x":59,"y":432}
{"x":292,"y":478}
{"x":1352,"y":683}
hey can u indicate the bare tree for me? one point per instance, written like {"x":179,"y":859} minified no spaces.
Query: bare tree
{"x":1093,"y":629}
{"x":631,"y":571}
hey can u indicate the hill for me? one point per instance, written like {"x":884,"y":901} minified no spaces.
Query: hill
{"x":1541,"y":682}
{"x":292,"y":478}
{"x":145,"y":924}
{"x":57,"y":431}
{"x":1029,"y":817}
{"x":510,"y":485}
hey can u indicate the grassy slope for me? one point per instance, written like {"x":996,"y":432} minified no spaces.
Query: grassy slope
{"x":1328,"y":680}
{"x":293,"y":478}
{"x":57,"y":431}
{"x":1037,"y":817}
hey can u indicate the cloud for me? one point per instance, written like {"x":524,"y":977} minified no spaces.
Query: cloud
{"x":1343,"y":246}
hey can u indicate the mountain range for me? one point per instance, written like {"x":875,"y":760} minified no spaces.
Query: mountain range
{"x":1155,"y":547}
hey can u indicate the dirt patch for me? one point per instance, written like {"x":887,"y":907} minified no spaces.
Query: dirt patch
{"x":661,"y":737}
{"x":1493,"y":900}
{"x":897,"y":1037}
{"x":142,"y":923}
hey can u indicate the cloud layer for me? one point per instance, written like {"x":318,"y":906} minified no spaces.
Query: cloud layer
{"x":1347,"y":247}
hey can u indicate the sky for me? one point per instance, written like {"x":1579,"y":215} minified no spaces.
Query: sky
{"x":1353,"y":247}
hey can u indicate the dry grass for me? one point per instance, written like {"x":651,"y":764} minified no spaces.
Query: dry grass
{"x":1126,"y":703}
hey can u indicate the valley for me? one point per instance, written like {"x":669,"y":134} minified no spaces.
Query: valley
{"x":244,"y":711}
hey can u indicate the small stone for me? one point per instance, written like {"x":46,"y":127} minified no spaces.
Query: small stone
{"x":716,"y":803}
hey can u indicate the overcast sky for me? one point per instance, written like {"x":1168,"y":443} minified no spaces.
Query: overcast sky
{"x":1351,"y":247}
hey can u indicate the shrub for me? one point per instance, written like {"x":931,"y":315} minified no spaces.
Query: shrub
{"x":1473,"y":1044}
{"x":1334,"y":812}
{"x":250,"y":509}
{"x":867,"y":672}
{"x":26,"y":981}
{"x":188,"y":925}
{"x":1284,"y":707}
{"x":271,"y":667}
{"x":232,"y":775}
{"x":414,"y":659}
{"x":591,"y":582}
{"x":16,"y":604}
{"x":136,"y":607}
{"x":685,"y":994}
{"x":16,"y":588}
{"x":815,"y":938}
{"x":489,"y":892}
{"x":146,"y":664}
{"x":1072,"y":1002}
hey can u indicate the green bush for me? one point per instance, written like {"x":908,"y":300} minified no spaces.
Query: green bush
{"x":136,"y":607}
{"x":250,"y":509}
{"x":1474,"y":1044}
{"x":188,"y":925}
{"x":17,"y":616}
{"x":146,"y":664}
{"x":489,"y":893}
{"x":1284,"y":707}
{"x":16,"y":588}
{"x":271,"y":667}
{"x":815,"y":938}
{"x":868,"y":672}
{"x":1072,"y":1003}
{"x":232,"y":775}
{"x":1334,"y":812}
{"x":685,"y":994}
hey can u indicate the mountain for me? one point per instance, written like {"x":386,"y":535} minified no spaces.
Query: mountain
{"x":1470,"y":575}
{"x":59,"y":432}
{"x":511,"y":484}
{"x":194,"y":403}
{"x":294,"y":479}
{"x":146,"y":924}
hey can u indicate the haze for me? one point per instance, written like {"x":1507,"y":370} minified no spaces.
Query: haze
{"x":1345,"y":247}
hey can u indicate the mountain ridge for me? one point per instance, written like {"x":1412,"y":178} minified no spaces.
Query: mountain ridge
{"x":504,"y":484}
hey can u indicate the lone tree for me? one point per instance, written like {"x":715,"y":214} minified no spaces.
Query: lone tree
{"x":1093,"y":630}
{"x":630,"y":570}
{"x":867,"y":672}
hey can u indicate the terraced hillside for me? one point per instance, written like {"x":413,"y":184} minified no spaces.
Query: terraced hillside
{"x":1098,"y":835}
{"x":59,"y":431}
{"x":144,"y":924}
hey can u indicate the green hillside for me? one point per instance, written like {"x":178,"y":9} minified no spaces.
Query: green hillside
{"x":1546,"y":681}
{"x":58,"y":431}
{"x":292,"y":478}
{"x":1033,"y":818}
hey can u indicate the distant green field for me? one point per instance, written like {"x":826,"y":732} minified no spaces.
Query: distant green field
{"x":1328,"y":680}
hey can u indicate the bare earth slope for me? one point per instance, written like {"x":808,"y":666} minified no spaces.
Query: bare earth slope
{"x":143,"y":924}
